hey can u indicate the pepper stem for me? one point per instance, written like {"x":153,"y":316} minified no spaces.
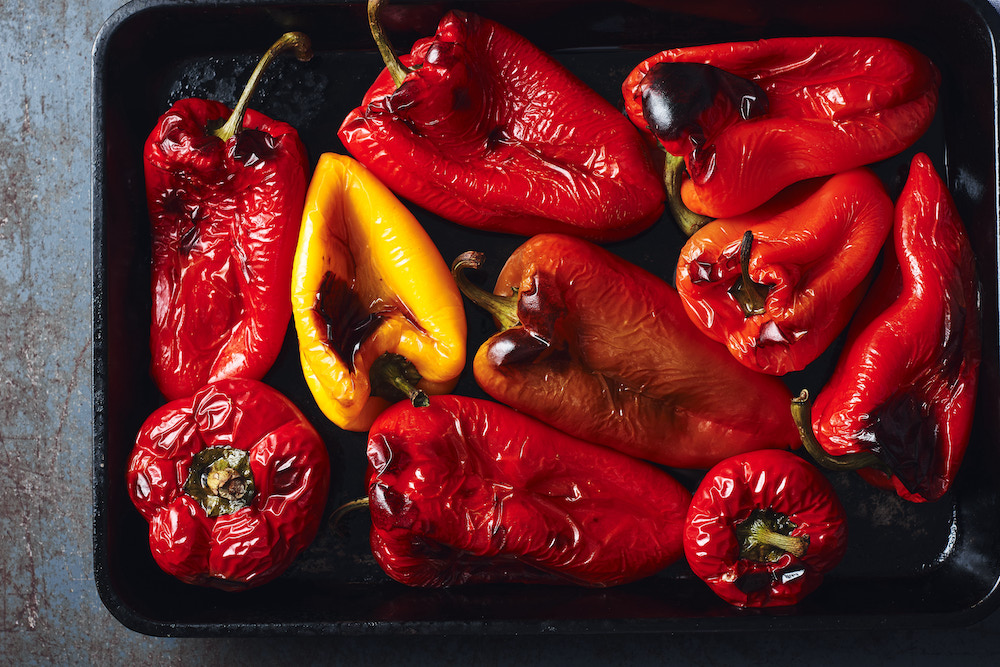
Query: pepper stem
{"x":394,"y":377}
{"x":290,"y":40}
{"x":673,"y":176}
{"x":758,"y":533}
{"x":392,"y":62}
{"x":752,"y":296}
{"x":337,"y":517}
{"x":802,"y":415}
{"x":502,"y":308}
{"x":220,"y":480}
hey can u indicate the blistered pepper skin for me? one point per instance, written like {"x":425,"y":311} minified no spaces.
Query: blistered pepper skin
{"x":289,"y":466}
{"x":468,"y":491}
{"x":604,"y":351}
{"x":832,"y":104}
{"x":764,"y":481}
{"x":492,"y":133}
{"x":224,"y":217}
{"x":811,"y":253}
{"x":367,"y":271}
{"x":905,"y":385}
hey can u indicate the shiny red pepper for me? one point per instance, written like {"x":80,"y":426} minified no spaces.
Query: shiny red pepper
{"x":764,"y":528}
{"x":225,"y":201}
{"x":748,"y":119}
{"x":233,"y":482}
{"x":900,"y":403}
{"x":778,"y":284}
{"x":469,"y":491}
{"x":482,"y":128}
{"x":603,"y":350}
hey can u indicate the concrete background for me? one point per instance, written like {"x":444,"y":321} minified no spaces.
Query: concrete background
{"x":50,"y":612}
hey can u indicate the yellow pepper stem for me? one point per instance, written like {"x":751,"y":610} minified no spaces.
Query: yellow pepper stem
{"x":502,"y":308}
{"x":290,"y":40}
{"x":392,"y":62}
{"x":394,"y":377}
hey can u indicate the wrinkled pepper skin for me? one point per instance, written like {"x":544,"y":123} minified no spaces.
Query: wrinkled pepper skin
{"x":811,"y":253}
{"x":490,"y":132}
{"x":225,"y":217}
{"x":905,"y":384}
{"x":605,"y":352}
{"x":763,"y":529}
{"x":289,"y":480}
{"x":367,"y":281}
{"x":831,"y":104}
{"x":469,"y":491}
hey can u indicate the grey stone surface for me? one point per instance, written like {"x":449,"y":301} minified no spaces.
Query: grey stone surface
{"x":50,"y":612}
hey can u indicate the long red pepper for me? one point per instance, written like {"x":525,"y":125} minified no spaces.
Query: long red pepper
{"x":225,"y":190}
{"x":900,"y":403}
{"x":469,"y":491}
{"x":481,"y":127}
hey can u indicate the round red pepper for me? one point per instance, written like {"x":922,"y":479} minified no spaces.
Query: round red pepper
{"x":763,"y":528}
{"x":233,"y":482}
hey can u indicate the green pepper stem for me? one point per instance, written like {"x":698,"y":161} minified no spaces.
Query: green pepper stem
{"x":673,"y":176}
{"x":502,"y":308}
{"x":759,"y":533}
{"x":750,"y":295}
{"x":802,"y":415}
{"x":337,"y":517}
{"x":394,"y":377}
{"x":290,"y":40}
{"x":392,"y":62}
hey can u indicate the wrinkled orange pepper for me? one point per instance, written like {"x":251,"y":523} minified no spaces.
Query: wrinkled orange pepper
{"x":376,"y":311}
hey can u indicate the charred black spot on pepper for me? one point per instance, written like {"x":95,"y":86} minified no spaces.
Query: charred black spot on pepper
{"x":348,"y":322}
{"x":252,"y":146}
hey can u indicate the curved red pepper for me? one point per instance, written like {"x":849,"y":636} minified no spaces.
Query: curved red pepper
{"x":603,"y":350}
{"x":904,"y":388}
{"x":830,"y":104}
{"x":490,"y":132}
{"x":778,"y":284}
{"x":240,"y":522}
{"x":469,"y":491}
{"x":763,"y":528}
{"x":225,"y":216}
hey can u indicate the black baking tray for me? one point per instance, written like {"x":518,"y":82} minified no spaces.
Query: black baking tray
{"x":907,"y":565}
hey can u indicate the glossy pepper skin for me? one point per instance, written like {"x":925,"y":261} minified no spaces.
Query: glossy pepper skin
{"x":469,"y":491}
{"x":225,"y":216}
{"x":489,"y":132}
{"x":778,"y":284}
{"x":369,"y":286}
{"x":603,"y":350}
{"x":782,"y":110}
{"x":238,"y":521}
{"x":904,"y":388}
{"x":763,"y":529}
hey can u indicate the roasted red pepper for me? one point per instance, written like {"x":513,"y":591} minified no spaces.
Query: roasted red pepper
{"x":469,"y":491}
{"x":225,"y":202}
{"x":900,"y":403}
{"x":233,"y":482}
{"x":603,"y":350}
{"x":750,"y":118}
{"x":778,"y":284}
{"x":480,"y":127}
{"x":764,"y":528}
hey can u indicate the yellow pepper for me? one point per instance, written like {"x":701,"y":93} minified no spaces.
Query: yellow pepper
{"x":378,"y":315}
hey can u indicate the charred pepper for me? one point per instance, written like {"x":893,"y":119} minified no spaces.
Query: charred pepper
{"x":479,"y":126}
{"x":469,"y":491}
{"x":225,"y":200}
{"x":763,"y":529}
{"x":741,"y":121}
{"x":900,"y":402}
{"x":233,"y":482}
{"x":603,"y":350}
{"x":778,"y":284}
{"x":378,"y":316}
